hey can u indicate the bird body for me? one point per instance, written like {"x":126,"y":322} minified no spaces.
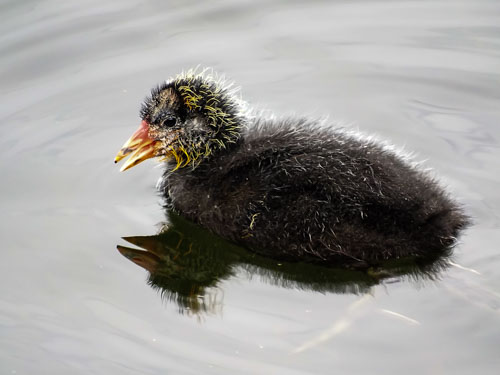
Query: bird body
{"x":291,"y":188}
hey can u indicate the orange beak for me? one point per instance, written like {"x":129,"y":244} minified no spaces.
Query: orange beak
{"x":140,"y":145}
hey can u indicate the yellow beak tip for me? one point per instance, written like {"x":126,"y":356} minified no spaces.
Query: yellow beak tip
{"x":139,"y":146}
{"x":120,"y":156}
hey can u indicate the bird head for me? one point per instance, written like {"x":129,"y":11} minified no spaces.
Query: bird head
{"x":185,"y":120}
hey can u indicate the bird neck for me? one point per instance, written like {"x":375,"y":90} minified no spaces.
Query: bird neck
{"x":196,"y":153}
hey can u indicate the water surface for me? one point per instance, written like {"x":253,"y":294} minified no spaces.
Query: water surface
{"x":423,"y":75}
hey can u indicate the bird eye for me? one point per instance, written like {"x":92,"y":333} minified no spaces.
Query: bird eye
{"x":169,"y":122}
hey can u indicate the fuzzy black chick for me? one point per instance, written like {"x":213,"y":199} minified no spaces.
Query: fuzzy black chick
{"x":290,"y":188}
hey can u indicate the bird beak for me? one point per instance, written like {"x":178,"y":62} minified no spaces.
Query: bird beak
{"x":140,"y":145}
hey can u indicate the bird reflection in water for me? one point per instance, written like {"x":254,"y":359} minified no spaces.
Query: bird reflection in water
{"x":186,"y":263}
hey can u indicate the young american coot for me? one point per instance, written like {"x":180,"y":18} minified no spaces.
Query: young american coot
{"x":292,"y":189}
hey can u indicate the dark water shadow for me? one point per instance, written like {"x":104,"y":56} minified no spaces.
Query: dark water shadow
{"x":186,"y":263}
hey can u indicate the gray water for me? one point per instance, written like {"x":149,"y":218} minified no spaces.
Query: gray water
{"x":423,"y":75}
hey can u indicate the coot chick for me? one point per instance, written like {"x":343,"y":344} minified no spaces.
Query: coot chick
{"x":290,"y":188}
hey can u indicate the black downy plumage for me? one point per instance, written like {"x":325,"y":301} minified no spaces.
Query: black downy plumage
{"x":292,"y":188}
